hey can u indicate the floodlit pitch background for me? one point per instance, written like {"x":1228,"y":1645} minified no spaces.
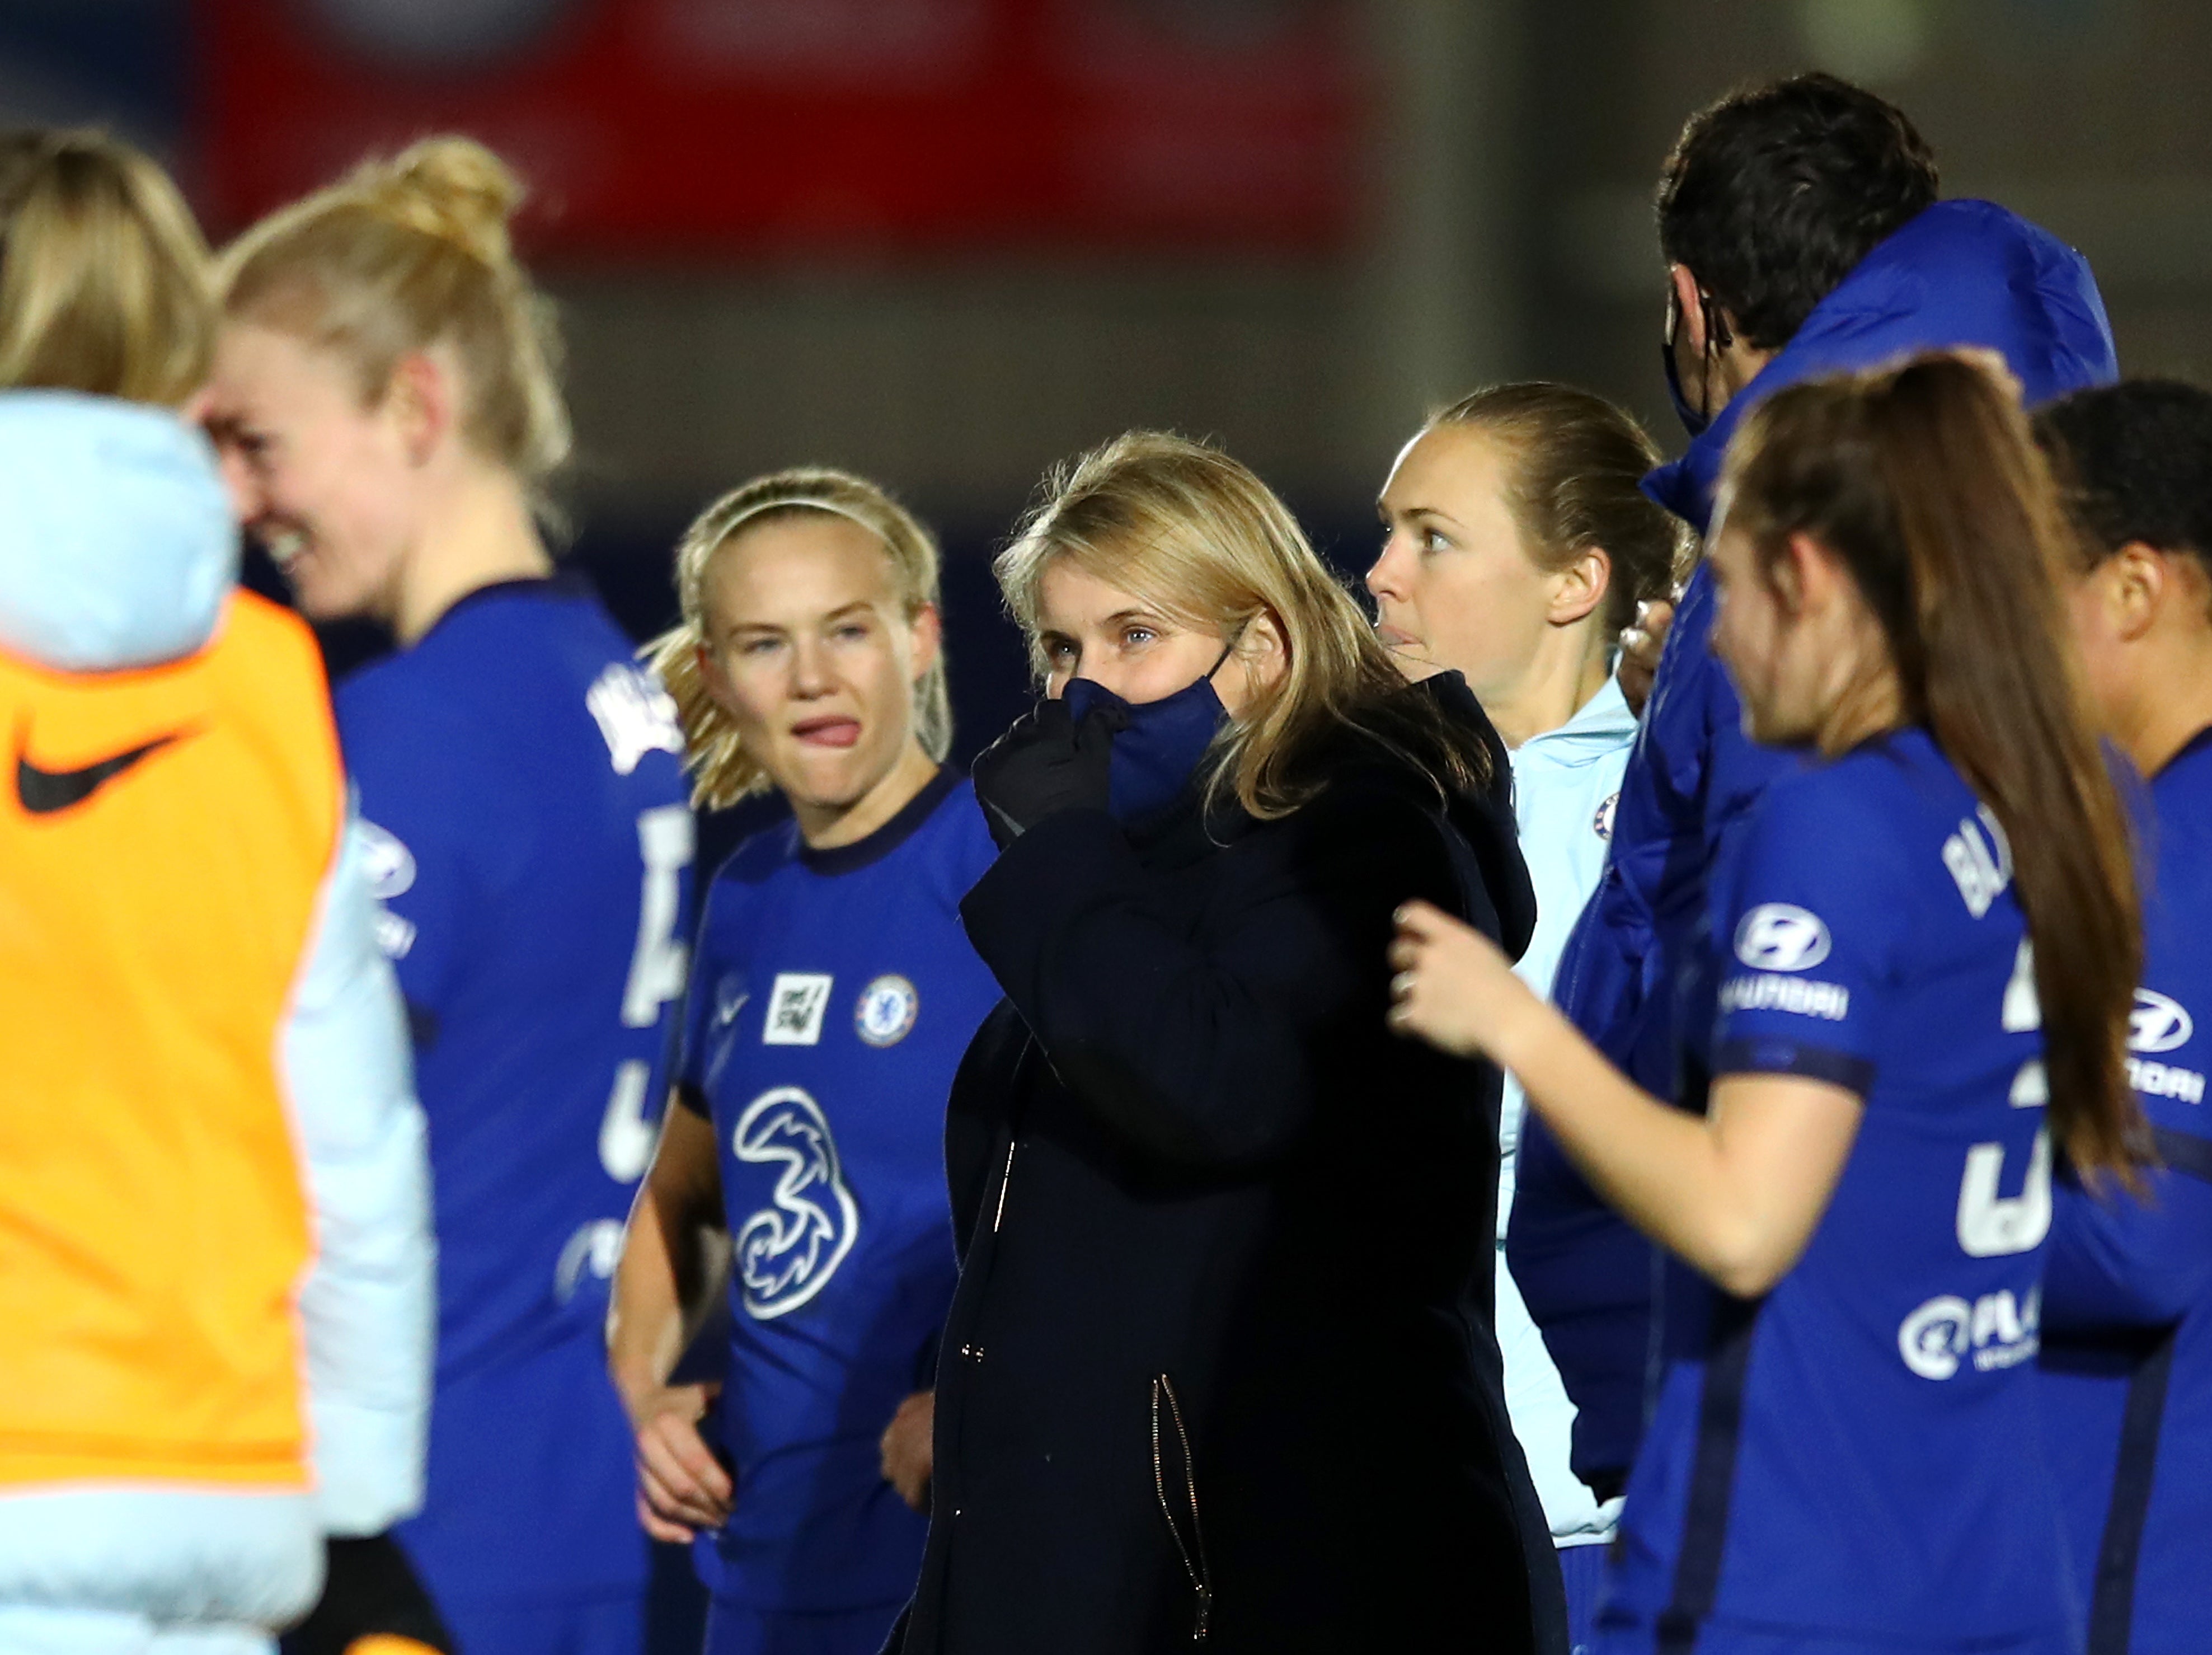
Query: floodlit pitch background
{"x":945,"y":242}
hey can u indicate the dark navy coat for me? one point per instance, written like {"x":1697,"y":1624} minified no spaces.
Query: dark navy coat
{"x":1220,"y":1360}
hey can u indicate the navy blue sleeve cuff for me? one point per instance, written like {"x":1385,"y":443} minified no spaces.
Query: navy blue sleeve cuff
{"x":1050,"y":873}
{"x":1773,"y":1054}
{"x":2184,"y":1151}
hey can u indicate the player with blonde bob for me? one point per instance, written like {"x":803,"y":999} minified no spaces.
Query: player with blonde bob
{"x":808,"y":661}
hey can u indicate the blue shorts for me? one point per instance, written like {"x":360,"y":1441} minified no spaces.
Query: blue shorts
{"x":610,"y":1625}
{"x":732,"y":1629}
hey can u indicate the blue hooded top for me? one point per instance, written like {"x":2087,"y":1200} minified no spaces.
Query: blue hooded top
{"x":1960,"y":273}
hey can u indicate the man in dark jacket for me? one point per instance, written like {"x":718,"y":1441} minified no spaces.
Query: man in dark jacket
{"x":1802,"y":236}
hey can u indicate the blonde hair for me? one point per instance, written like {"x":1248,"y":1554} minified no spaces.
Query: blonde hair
{"x":723,"y":771}
{"x":1186,"y":528}
{"x":104,"y":283}
{"x":405,"y":255}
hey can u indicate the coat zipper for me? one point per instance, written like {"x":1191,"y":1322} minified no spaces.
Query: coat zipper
{"x":1005,"y":1178}
{"x":1192,"y":1555}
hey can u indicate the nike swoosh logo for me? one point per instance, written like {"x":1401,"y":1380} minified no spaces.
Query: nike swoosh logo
{"x":44,"y":792}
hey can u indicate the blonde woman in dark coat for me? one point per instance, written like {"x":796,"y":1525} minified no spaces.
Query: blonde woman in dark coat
{"x":1220,"y":1367}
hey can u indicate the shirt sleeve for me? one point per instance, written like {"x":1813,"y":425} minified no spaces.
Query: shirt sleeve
{"x":1805,"y":939}
{"x":368,"y":1305}
{"x":699,"y":995}
{"x":430,"y":817}
{"x":2118,"y":1260}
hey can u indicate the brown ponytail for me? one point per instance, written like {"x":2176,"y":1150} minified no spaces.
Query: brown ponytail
{"x":1925,"y":481}
{"x":1575,"y":462}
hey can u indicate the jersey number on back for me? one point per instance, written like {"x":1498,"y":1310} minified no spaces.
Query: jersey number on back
{"x":1990,"y":1226}
{"x":664,"y":840}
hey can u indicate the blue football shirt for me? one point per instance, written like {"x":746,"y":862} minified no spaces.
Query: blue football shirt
{"x":834,"y":996}
{"x":1855,"y":1455}
{"x":520,"y":782}
{"x":2127,"y":1361}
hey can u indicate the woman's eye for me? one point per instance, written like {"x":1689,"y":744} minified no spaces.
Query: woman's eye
{"x":1059,"y":650}
{"x":1434,"y":540}
{"x":755,"y":647}
{"x":851,"y":633}
{"x":1134,"y":636}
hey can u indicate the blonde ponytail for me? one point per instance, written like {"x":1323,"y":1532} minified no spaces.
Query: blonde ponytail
{"x":404,"y":255}
{"x":453,"y":188}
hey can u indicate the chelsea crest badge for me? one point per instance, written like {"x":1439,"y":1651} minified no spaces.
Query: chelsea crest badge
{"x":887,"y":1010}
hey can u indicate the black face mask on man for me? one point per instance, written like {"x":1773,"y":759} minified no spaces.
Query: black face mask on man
{"x":1718,"y":338}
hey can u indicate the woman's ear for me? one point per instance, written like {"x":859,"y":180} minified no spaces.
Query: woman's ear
{"x":717,"y":681}
{"x":1806,"y":577}
{"x":927,"y":630}
{"x":1582,"y":587}
{"x":419,"y":399}
{"x":2137,"y":583}
{"x":1263,"y":652}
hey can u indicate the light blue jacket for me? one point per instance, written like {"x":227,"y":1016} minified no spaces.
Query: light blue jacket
{"x":117,"y":550}
{"x":1566,"y":784}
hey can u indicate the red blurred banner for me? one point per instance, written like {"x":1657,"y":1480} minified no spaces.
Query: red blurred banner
{"x":681,"y":127}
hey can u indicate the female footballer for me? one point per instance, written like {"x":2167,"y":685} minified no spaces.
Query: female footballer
{"x":1931,"y":942}
{"x":1517,"y":547}
{"x":832,"y":995}
{"x":384,"y":386}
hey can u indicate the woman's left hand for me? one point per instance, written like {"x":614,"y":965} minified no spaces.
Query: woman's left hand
{"x":1046,"y":763}
{"x":1454,"y":988}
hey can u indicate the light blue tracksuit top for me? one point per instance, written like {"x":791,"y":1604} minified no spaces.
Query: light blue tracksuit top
{"x":1565,"y":782}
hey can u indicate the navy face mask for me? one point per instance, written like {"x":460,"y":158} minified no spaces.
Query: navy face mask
{"x":1160,"y":744}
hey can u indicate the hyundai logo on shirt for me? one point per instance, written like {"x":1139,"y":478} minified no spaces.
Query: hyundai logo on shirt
{"x":2158,"y":1023}
{"x":1777,"y":937}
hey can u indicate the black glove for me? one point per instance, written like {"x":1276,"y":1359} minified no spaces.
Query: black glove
{"x":371,"y":1591}
{"x":1046,"y":763}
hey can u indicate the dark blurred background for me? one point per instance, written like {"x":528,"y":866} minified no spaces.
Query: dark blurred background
{"x":947,"y":242}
